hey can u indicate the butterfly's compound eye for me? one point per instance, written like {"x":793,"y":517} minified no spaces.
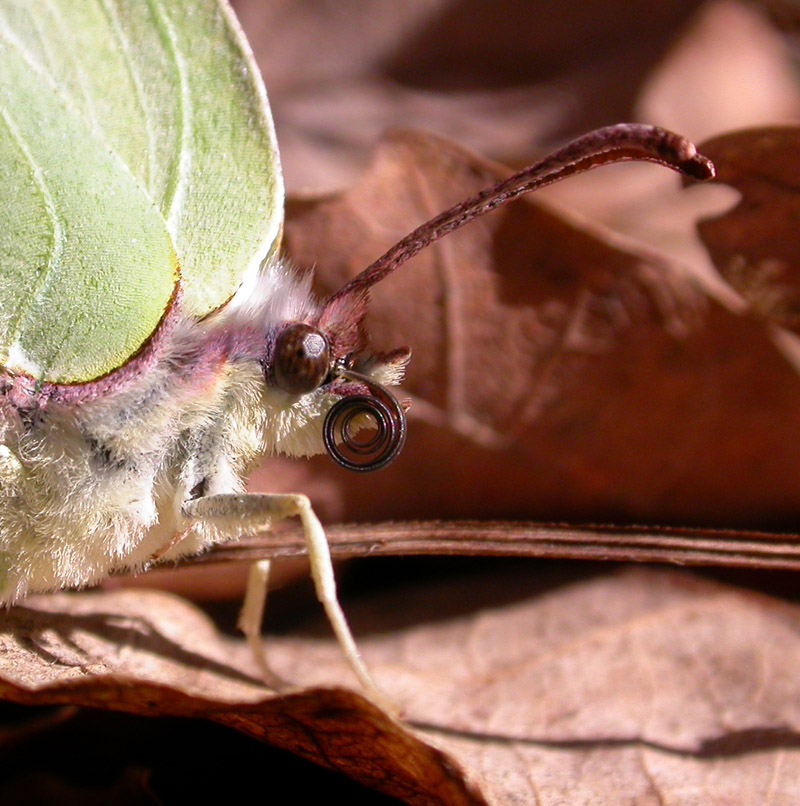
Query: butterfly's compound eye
{"x":302,"y":359}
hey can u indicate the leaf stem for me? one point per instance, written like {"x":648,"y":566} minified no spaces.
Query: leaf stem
{"x":680,"y":545}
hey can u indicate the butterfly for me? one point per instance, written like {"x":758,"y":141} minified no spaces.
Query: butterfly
{"x":154,"y":345}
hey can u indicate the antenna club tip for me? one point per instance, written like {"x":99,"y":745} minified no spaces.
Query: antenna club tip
{"x":686,"y":157}
{"x":697,"y":166}
{"x":702,"y":168}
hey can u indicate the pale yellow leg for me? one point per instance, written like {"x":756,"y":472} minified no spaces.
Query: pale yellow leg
{"x":251,"y":618}
{"x":252,"y":512}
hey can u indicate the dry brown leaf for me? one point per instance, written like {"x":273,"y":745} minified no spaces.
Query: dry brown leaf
{"x":557,"y":373}
{"x":641,"y":686}
{"x":754,"y":245}
{"x":152,"y":654}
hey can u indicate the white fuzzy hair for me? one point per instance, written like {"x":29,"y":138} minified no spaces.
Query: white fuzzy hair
{"x":91,"y":488}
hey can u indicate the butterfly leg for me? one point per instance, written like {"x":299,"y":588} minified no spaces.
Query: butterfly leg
{"x":251,"y":618}
{"x":251,"y":512}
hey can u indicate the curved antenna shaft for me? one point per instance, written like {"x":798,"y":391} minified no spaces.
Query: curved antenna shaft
{"x":625,"y":141}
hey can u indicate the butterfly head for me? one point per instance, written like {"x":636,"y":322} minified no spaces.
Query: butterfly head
{"x":365,"y":427}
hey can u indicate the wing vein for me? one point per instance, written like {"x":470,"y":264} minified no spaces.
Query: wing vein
{"x":139,"y":92}
{"x":180,"y":168}
{"x":57,"y":229}
{"x":78,"y":68}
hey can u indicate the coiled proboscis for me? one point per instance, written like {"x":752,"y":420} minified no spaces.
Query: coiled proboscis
{"x":385,"y":434}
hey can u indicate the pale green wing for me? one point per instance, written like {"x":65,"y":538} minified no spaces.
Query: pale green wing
{"x":87,"y":266}
{"x":168,"y":91}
